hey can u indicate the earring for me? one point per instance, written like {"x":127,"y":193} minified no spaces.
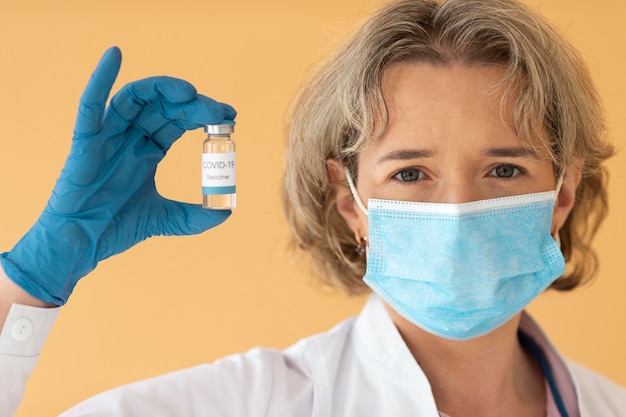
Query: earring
{"x":361,"y":243}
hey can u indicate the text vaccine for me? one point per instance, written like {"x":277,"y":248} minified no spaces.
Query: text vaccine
{"x":218,"y":168}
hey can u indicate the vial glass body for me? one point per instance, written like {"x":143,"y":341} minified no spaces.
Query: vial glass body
{"x":218,"y":169}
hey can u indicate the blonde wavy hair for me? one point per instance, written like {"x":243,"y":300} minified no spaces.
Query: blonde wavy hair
{"x":341,"y":111}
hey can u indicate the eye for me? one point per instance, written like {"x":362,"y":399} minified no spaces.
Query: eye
{"x":505,"y":171}
{"x":409,"y":174}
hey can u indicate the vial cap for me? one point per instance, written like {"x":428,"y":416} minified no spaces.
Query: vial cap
{"x":220,"y":129}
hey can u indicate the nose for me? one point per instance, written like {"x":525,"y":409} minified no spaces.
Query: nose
{"x":457,"y":190}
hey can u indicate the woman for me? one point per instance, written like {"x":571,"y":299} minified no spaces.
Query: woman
{"x":449,"y":157}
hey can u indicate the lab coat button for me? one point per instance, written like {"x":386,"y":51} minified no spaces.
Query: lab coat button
{"x":22,"y":329}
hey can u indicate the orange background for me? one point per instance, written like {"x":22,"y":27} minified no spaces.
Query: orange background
{"x":174,"y":302}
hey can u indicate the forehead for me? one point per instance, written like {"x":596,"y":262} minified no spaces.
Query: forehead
{"x":420,"y":98}
{"x":435,"y":105}
{"x":440,"y":92}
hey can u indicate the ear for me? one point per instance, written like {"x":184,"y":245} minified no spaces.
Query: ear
{"x":566,"y":198}
{"x":346,"y":206}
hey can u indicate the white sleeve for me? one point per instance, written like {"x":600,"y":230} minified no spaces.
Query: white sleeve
{"x":22,"y":337}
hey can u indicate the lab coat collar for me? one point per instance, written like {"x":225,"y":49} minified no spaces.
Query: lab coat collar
{"x":380,"y":345}
{"x":378,"y":336}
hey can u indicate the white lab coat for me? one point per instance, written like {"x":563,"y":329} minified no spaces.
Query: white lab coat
{"x":360,"y":368}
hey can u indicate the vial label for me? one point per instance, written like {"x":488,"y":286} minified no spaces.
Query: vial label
{"x":218,"y":173}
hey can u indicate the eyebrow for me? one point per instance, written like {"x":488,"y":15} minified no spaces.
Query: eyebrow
{"x":407,"y":154}
{"x":404,"y":154}
{"x":512,"y":152}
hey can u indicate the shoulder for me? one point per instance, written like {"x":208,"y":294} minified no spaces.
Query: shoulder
{"x":285,"y":382}
{"x":328,"y":342}
{"x":266,"y":363}
{"x":598,"y":394}
{"x":260,"y":382}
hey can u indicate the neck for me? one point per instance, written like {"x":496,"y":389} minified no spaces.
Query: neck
{"x":489,"y":375}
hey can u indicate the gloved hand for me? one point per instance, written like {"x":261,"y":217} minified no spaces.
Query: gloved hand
{"x":105,"y":200}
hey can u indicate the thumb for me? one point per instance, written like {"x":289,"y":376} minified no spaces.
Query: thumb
{"x":190,"y":219}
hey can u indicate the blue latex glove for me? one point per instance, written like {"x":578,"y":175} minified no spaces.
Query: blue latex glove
{"x":105,"y":200}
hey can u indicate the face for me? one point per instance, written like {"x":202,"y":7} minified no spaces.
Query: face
{"x":447,"y":142}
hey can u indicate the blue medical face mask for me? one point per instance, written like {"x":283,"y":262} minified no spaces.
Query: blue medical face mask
{"x":461,"y":270}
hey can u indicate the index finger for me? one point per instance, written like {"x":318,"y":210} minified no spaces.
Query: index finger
{"x":94,"y":97}
{"x":133,"y":97}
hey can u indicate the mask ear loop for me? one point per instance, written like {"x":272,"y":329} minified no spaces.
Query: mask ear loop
{"x":559,"y":184}
{"x":362,"y":246}
{"x":355,"y":193}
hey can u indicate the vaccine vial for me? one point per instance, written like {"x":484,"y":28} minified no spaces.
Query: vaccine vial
{"x":218,"y":168}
